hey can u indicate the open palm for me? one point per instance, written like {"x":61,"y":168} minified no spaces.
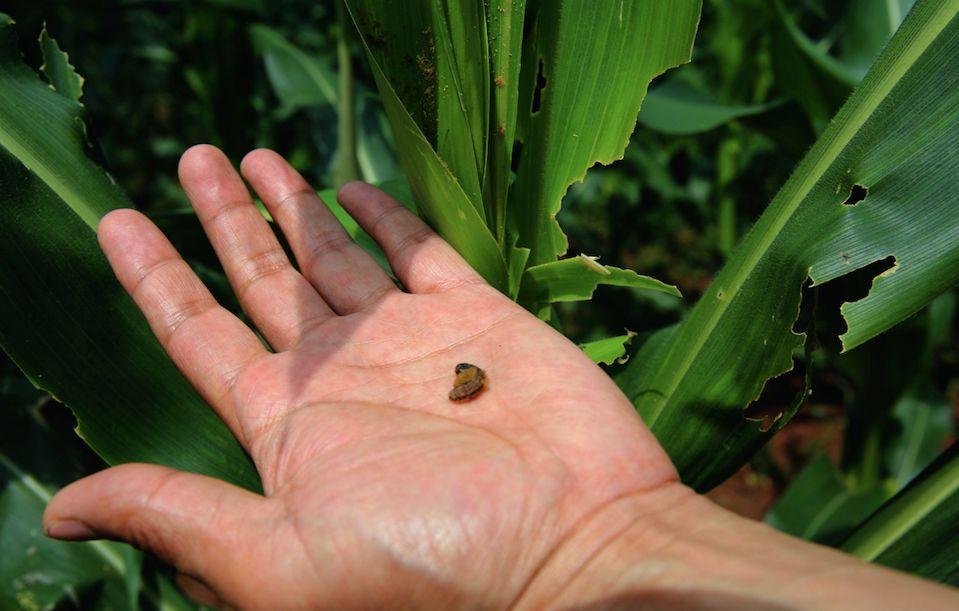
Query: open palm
{"x":378,"y":488}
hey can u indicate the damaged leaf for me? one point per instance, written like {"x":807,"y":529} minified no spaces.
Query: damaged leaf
{"x":576,"y":278}
{"x":67,"y":323}
{"x":895,"y":137}
{"x":61,"y":75}
{"x":608,"y":350}
{"x":597,"y":59}
{"x":440,"y":195}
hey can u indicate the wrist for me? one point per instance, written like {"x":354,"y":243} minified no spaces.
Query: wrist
{"x":672,"y":548}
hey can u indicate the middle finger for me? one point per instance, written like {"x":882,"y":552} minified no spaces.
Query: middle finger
{"x":282,"y":304}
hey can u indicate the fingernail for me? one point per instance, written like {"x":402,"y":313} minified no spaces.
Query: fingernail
{"x":69,"y":530}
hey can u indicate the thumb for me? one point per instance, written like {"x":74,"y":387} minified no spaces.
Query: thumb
{"x":194,"y":522}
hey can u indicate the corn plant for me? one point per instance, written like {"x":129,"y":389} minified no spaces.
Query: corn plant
{"x":496,"y":108}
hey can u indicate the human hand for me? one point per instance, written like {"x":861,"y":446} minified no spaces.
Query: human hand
{"x":378,"y":490}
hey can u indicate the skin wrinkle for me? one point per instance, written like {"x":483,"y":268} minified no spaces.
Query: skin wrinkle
{"x":263,"y":264}
{"x":579,"y":526}
{"x":185,"y":310}
{"x":414,"y":238}
{"x":148,"y":505}
{"x":281,"y":202}
{"x":224,"y":209}
{"x":373,"y":297}
{"x":323,"y":243}
{"x":389,"y":210}
{"x":293,"y":519}
{"x":444,"y":349}
{"x":301,"y":330}
{"x":142,"y":272}
{"x":403,"y":560}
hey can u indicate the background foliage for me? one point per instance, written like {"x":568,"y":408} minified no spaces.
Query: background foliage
{"x":716,"y":140}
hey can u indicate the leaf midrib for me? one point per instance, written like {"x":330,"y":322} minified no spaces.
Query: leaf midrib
{"x":74,"y":200}
{"x":935,"y":24}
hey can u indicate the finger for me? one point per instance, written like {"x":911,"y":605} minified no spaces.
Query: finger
{"x":281,"y":303}
{"x":346,"y":277}
{"x":209,"y":345}
{"x":422,"y":260}
{"x":196,"y":523}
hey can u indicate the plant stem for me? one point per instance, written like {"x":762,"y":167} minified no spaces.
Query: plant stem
{"x":347,"y":168}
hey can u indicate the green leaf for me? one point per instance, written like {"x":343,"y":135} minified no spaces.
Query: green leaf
{"x":817,"y":54}
{"x":675,"y":107}
{"x":608,"y":350}
{"x":398,"y":189}
{"x":597,"y":60}
{"x":439,"y":196}
{"x":462,"y":91}
{"x":869,"y":24}
{"x":517,"y":266}
{"x":300,"y":80}
{"x":505,"y":32}
{"x":918,"y":530}
{"x":895,"y":138}
{"x":819,"y":506}
{"x":37,"y":572}
{"x":56,"y":66}
{"x":64,"y":319}
{"x":576,"y":278}
{"x":926,"y":420}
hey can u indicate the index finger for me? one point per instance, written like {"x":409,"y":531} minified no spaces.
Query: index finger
{"x":206,"y":342}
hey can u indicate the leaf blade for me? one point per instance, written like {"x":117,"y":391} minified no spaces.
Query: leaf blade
{"x":740,"y":333}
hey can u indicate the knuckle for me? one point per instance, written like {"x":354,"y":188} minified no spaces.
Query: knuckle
{"x":257,"y":266}
{"x":292,"y":198}
{"x":184,"y":311}
{"x":374,"y":296}
{"x":225,"y":210}
{"x":386,"y":215}
{"x":327,"y":242}
{"x":416,"y":236}
{"x":146,"y":274}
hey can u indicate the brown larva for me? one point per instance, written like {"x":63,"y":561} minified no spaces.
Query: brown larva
{"x":470,"y":380}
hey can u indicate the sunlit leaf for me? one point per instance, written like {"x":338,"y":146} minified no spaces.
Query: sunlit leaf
{"x":576,"y":278}
{"x":608,"y":350}
{"x":595,"y":60}
{"x":894,"y":139}
{"x":439,"y":196}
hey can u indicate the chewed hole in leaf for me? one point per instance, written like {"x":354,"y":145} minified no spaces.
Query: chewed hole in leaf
{"x":856,"y":194}
{"x":830,"y":297}
{"x":778,"y":396}
{"x":820,"y":317}
{"x":538,"y":88}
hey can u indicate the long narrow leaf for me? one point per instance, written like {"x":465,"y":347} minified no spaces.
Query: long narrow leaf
{"x":439,"y":196}
{"x":596,"y":61}
{"x":505,"y":31}
{"x":918,"y":530}
{"x":576,"y":278}
{"x":64,"y":319}
{"x":894,"y":142}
